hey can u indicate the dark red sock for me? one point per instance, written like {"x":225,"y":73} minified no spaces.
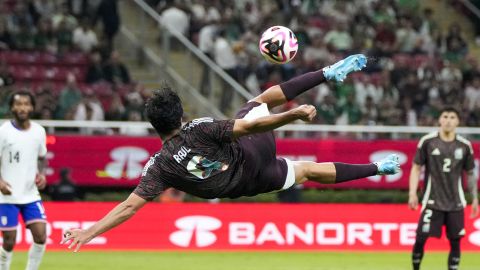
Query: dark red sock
{"x":347,"y":172}
{"x":302,"y":83}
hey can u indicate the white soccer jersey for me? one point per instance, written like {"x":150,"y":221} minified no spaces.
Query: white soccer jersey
{"x":19,"y":150}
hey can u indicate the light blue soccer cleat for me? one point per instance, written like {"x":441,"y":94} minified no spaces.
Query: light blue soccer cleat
{"x":339,"y":71}
{"x":388,"y":165}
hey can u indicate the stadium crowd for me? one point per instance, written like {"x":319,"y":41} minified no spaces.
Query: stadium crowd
{"x":51,"y":48}
{"x":414,"y":68}
{"x":54,"y":48}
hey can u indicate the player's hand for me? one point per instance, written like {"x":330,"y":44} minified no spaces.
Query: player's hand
{"x":5,"y":188}
{"x":474,"y":212}
{"x":40,"y":181}
{"x":306,"y":112}
{"x":413,"y":201}
{"x":76,"y":237}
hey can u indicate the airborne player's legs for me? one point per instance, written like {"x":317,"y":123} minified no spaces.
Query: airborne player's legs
{"x":296,"y":172}
{"x":284,"y":92}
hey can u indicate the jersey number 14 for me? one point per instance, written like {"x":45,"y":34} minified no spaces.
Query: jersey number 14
{"x":14,"y":157}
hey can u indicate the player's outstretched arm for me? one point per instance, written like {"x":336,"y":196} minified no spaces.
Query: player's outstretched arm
{"x":115,"y":217}
{"x":413,"y":186}
{"x":473,"y":187}
{"x":244,"y":127}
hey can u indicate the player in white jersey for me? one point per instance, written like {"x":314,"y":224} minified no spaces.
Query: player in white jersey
{"x":22,"y":156}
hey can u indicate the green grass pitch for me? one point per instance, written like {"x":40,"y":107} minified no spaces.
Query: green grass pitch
{"x":251,"y":260}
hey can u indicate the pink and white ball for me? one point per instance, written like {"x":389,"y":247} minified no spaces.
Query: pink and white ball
{"x":278,"y":45}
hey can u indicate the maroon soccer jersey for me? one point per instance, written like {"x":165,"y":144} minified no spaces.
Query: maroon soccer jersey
{"x":205,"y":161}
{"x":444,"y":163}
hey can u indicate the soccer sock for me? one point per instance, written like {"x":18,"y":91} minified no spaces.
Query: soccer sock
{"x":35,"y":255}
{"x":5,"y":259}
{"x":302,"y":83}
{"x":454,"y":255}
{"x":346,"y":172}
{"x":418,"y":250}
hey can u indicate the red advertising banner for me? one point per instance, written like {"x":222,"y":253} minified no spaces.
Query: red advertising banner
{"x":249,"y":226}
{"x":118,"y":161}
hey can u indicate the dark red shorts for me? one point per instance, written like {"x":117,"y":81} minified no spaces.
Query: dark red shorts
{"x":431,"y":223}
{"x":264,"y":168}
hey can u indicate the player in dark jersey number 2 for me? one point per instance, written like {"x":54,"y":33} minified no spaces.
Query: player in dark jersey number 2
{"x":231,"y":158}
{"x":445,"y":156}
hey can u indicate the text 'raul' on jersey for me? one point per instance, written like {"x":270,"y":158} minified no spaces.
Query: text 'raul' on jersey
{"x":198,"y":121}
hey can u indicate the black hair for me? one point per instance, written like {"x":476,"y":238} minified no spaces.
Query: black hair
{"x":21,"y":93}
{"x":450,"y":109}
{"x":164,"y":110}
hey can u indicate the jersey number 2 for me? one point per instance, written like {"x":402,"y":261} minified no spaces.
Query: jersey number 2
{"x":446,"y":164}
{"x":15,"y":157}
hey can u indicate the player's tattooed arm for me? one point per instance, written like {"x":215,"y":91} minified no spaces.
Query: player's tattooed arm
{"x":40,"y":179}
{"x":244,"y":127}
{"x":413,"y":186}
{"x":115,"y":217}
{"x":473,"y":187}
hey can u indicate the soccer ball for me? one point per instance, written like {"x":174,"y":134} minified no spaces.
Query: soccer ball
{"x":278,"y":45}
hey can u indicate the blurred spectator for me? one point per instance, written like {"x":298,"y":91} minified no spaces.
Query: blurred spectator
{"x":69,"y":97}
{"x":24,"y":38}
{"x":45,"y":37}
{"x":385,"y":39}
{"x":45,"y":8}
{"x":318,"y":52}
{"x":472,"y":94}
{"x":388,"y":113}
{"x":428,"y":25}
{"x":65,"y":190}
{"x":450,"y":72}
{"x":384,"y":13}
{"x":226,"y":59}
{"x":6,"y":39}
{"x":20,"y":18}
{"x":90,"y":109}
{"x":6,"y":77}
{"x":175,"y":18}
{"x":79,"y":8}
{"x":84,"y":37}
{"x":406,"y":36}
{"x":64,"y":38}
{"x":351,"y":111}
{"x":339,"y":38}
{"x":95,"y":70}
{"x":328,"y":111}
{"x":115,"y":71}
{"x":116,"y":110}
{"x":134,"y":116}
{"x":369,"y":112}
{"x":457,"y":47}
{"x":205,"y":44}
{"x":107,"y":13}
{"x":134,"y":102}
{"x":64,"y":17}
{"x":45,"y":101}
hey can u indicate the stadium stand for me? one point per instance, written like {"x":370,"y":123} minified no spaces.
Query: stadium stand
{"x":44,"y":49}
{"x":416,"y":65}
